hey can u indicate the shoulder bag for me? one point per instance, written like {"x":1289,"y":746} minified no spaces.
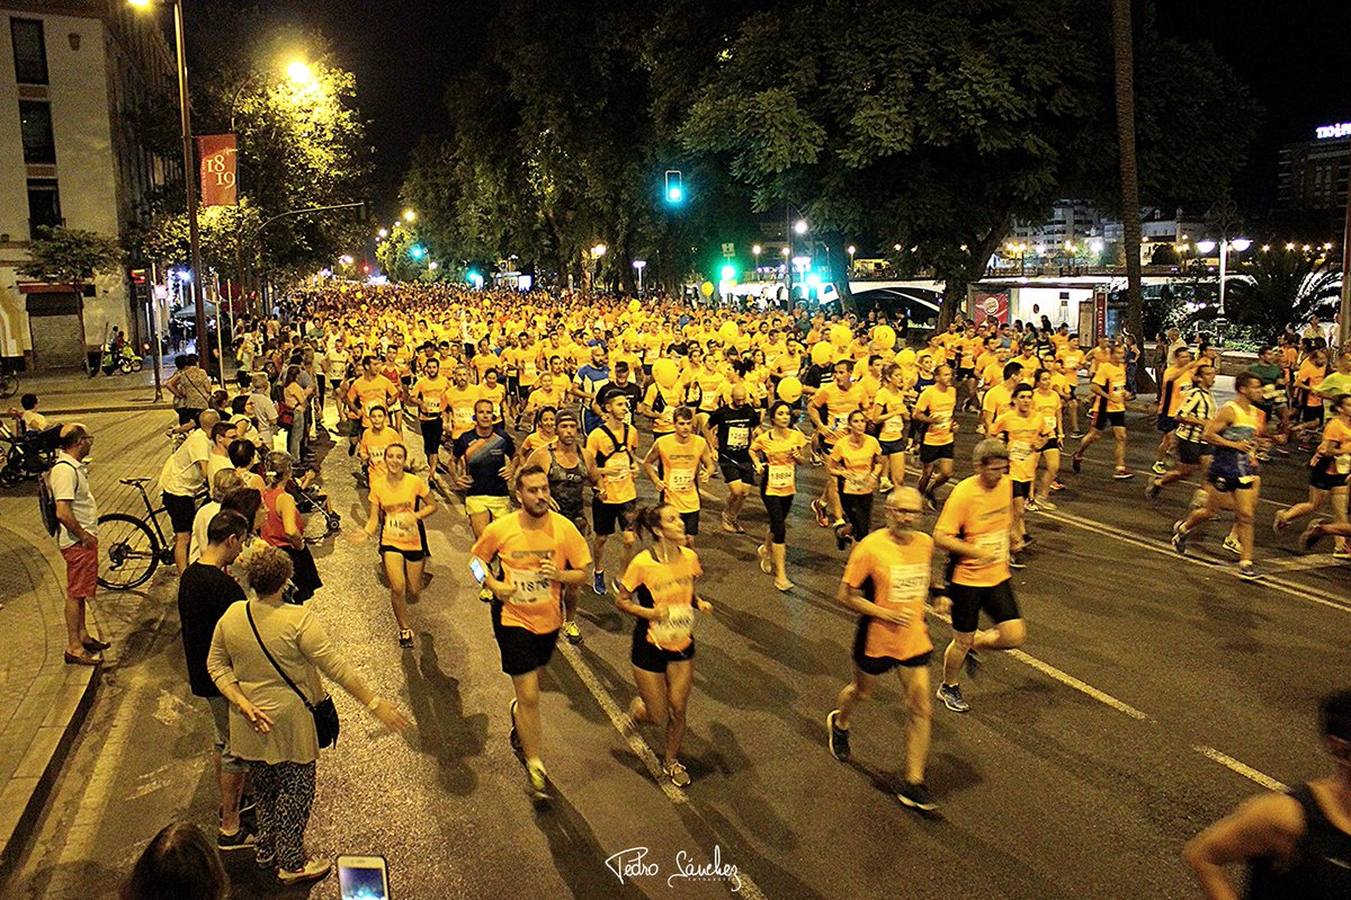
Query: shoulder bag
{"x":324,"y":712}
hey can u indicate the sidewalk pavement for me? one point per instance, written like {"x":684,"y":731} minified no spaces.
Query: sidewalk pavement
{"x":67,"y":393}
{"x":43,"y":701}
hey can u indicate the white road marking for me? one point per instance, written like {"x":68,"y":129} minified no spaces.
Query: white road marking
{"x":1241,"y":768}
{"x":1273,"y":582}
{"x":640,"y":747}
{"x":1064,"y":678}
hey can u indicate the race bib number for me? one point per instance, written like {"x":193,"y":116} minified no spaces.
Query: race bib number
{"x":401,"y":527}
{"x":738,"y":437}
{"x":839,"y":423}
{"x":377,"y":455}
{"x":994,"y":545}
{"x":1019,"y":450}
{"x":526,"y":589}
{"x":674,"y":628}
{"x":858,"y":483}
{"x":529,"y":369}
{"x":893,"y":429}
{"x":463,"y":416}
{"x":1048,"y":422}
{"x":941,"y":420}
{"x":908,"y":584}
{"x":780,"y":477}
{"x":1342,"y":464}
{"x":431,"y":405}
{"x":681,"y":481}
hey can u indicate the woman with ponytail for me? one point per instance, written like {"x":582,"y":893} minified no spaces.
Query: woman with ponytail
{"x":658,"y":590}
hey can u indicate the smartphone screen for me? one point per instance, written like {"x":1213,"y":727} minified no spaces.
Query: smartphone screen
{"x":477,"y":568}
{"x":363,"y":878}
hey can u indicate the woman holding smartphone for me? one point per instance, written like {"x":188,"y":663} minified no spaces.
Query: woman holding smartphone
{"x":658,"y":590}
{"x":398,"y":504}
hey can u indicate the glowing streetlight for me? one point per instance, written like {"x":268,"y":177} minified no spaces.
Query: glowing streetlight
{"x":896,"y":247}
{"x":1240,"y":244}
{"x":433,"y":265}
{"x":300,"y":73}
{"x":598,"y":251}
{"x":640,"y":264}
{"x":345,"y":259}
{"x":382,"y":233}
{"x":1205,"y":246}
{"x":783,"y":251}
{"x":800,"y":226}
{"x":409,"y":215}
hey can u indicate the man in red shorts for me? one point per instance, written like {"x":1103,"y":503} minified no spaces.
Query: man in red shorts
{"x":78,"y":539}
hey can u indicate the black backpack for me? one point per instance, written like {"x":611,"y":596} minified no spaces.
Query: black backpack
{"x":47,"y":500}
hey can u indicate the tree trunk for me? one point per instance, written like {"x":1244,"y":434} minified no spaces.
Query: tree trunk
{"x":838,"y":261}
{"x":1122,"y":45}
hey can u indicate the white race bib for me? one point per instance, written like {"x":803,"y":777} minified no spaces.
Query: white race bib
{"x":1019,"y":450}
{"x":674,"y":627}
{"x":526,"y":589}
{"x":1049,"y":422}
{"x":463,"y":415}
{"x":995,"y":545}
{"x":908,"y":584}
{"x":738,"y":437}
{"x":857,"y":483}
{"x":431,"y":405}
{"x":1342,"y":464}
{"x":680,"y":481}
{"x":780,"y":477}
{"x":400,"y":526}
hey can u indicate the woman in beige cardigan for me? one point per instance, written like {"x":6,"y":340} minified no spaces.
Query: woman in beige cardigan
{"x":270,"y":726}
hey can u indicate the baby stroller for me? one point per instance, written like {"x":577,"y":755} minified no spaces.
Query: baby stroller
{"x":28,"y":454}
{"x":312,"y":504}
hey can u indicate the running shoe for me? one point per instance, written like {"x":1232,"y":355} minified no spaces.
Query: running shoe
{"x":1159,"y":468}
{"x":765,"y":565}
{"x":1152,"y":489}
{"x":538,"y":779}
{"x":1341,"y":553}
{"x":598,"y":582}
{"x":916,"y":796}
{"x":1076,"y":435}
{"x":1057,"y":486}
{"x":240,"y":840}
{"x":677,"y":773}
{"x":839,"y":738}
{"x":1179,"y":539}
{"x":1248,"y":572}
{"x":313,"y":870}
{"x":1076,"y":463}
{"x":885,"y":486}
{"x":1044,"y":504}
{"x":1016,"y":563}
{"x":1231,"y":544}
{"x":406,"y":639}
{"x":1032,"y":506}
{"x":1310,"y":537}
{"x":1123,"y":474}
{"x":819,"y":510}
{"x":572,"y":632}
{"x":513,"y":738}
{"x":951,"y":695}
{"x":930,"y":505}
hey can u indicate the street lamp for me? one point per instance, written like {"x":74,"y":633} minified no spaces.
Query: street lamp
{"x":433,"y":265}
{"x":851,"y":249}
{"x":755,"y":251}
{"x":189,"y":175}
{"x":300,"y":73}
{"x":382,"y":233}
{"x":409,"y":216}
{"x":640,"y":264}
{"x":800,"y":226}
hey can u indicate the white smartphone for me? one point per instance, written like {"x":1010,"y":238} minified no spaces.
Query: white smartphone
{"x":477,"y":568}
{"x":363,"y":878}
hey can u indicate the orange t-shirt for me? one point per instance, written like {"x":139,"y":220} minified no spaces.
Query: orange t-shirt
{"x":536,"y":604}
{"x":983,"y":518}
{"x":893,"y":575}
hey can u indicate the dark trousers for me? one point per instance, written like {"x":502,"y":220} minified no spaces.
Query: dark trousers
{"x":285,"y":794}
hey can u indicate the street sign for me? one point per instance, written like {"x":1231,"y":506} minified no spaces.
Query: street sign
{"x":728,"y":250}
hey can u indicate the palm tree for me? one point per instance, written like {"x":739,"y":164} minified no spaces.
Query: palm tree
{"x":1279,"y":289}
{"x":1123,"y":53}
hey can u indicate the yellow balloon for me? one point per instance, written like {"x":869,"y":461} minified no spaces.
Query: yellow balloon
{"x":728,"y":332}
{"x":790,"y":389}
{"x":706,"y":289}
{"x":634,"y":305}
{"x":665,"y":373}
{"x":821,"y":353}
{"x":906,"y":357}
{"x":884,"y":336}
{"x":840,"y":335}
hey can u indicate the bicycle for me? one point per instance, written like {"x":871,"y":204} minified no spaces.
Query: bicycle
{"x":132,"y":548}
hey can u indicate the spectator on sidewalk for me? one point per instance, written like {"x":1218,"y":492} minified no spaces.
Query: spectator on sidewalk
{"x":264,"y":411}
{"x":222,"y":434}
{"x":266,"y":656}
{"x":191,"y":387}
{"x":31,"y":420}
{"x":179,"y":863}
{"x":78,"y":540}
{"x":205,"y":592}
{"x":183,"y":475}
{"x":223,"y":483}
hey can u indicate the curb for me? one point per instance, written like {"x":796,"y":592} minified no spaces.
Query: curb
{"x":66,"y":694}
{"x":106,"y":409}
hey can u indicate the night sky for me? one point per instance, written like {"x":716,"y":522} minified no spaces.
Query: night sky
{"x":1289,"y":52}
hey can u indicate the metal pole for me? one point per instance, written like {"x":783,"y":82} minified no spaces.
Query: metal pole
{"x":190,"y":177}
{"x":220,"y":336}
{"x":1224,"y":255}
{"x":154,"y":328}
{"x":1344,"y":314}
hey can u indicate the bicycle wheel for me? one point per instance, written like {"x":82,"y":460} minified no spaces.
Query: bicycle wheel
{"x":128,"y":552}
{"x":9,"y":384}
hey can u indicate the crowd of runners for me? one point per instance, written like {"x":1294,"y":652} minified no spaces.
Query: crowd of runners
{"x":583,"y":437}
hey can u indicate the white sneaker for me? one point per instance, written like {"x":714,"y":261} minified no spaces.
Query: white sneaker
{"x":313,"y":870}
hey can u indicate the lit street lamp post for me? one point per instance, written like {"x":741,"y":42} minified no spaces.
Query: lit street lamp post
{"x":640,"y":264}
{"x":189,"y":178}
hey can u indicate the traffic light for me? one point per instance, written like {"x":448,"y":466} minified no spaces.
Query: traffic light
{"x":675,"y":187}
{"x":417,"y":251}
{"x":728,"y":272}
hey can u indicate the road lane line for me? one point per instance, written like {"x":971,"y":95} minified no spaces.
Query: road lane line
{"x":638,"y":745}
{"x":1241,"y":768}
{"x":1063,"y":677}
{"x":1278,"y":584}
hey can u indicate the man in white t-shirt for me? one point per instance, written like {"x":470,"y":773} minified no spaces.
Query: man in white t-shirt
{"x":185,"y":473}
{"x":77,"y":539}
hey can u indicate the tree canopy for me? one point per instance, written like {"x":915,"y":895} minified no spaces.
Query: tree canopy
{"x":69,"y":255}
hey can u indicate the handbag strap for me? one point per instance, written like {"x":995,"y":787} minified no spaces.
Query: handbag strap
{"x":248,"y":611}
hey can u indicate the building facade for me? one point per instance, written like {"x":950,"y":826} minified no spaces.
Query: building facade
{"x":1312,"y":177}
{"x":76,"y":79}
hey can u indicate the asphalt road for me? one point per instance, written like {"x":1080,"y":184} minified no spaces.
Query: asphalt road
{"x":1153,"y":694}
